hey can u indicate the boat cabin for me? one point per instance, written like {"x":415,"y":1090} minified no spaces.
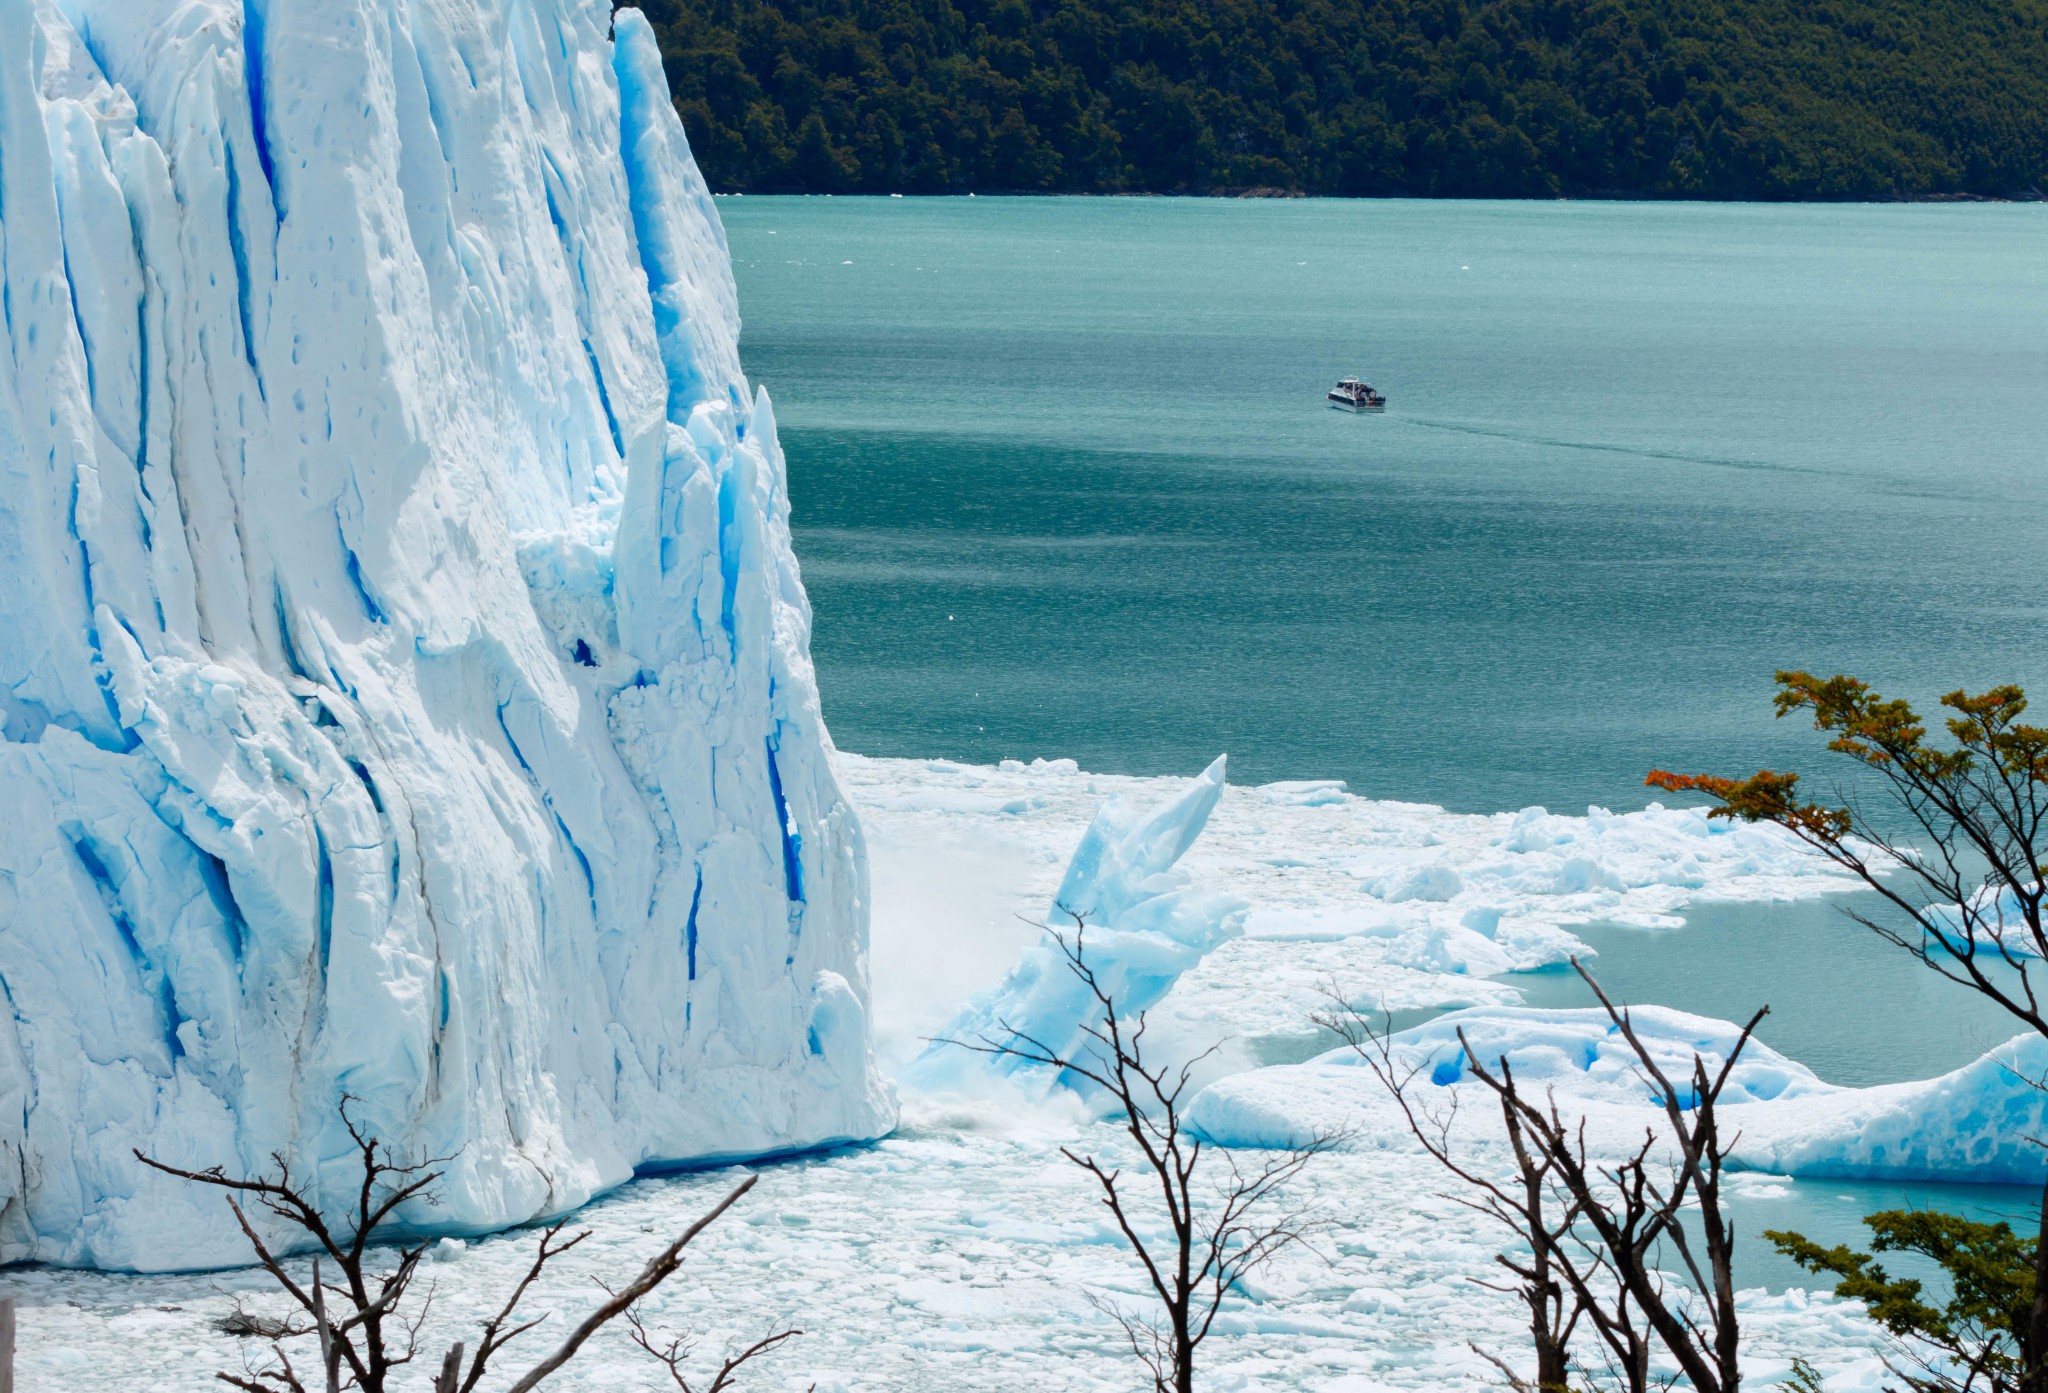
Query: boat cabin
{"x":1356,"y":394}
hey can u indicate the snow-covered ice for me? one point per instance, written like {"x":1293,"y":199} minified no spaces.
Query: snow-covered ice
{"x":938,"y":1262}
{"x":403,"y":663}
{"x":1974,"y":1124}
{"x":1995,"y":919}
{"x":1315,"y":863}
{"x":1408,"y":905}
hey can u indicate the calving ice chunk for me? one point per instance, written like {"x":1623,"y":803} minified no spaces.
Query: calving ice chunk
{"x":1138,"y":924}
{"x":404,"y":666}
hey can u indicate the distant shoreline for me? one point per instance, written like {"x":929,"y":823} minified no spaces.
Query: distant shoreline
{"x":1286,"y":195}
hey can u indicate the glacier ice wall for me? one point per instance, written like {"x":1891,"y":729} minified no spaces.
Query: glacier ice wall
{"x":403,"y":663}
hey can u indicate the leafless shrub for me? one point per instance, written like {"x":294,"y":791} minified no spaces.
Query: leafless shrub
{"x":1215,"y":1237}
{"x":1598,"y":1235}
{"x":366,"y":1322}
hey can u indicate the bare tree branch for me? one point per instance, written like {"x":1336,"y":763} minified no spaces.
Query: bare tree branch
{"x":1967,"y":899}
{"x":367,"y":1321}
{"x":1214,"y":1244}
{"x":673,"y":1354}
{"x":659,"y":1269}
{"x":1594,"y":1232}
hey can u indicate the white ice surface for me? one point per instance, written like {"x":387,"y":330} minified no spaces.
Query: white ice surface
{"x":1341,"y":888}
{"x":1995,"y":919}
{"x":936,"y":1262}
{"x":956,"y":1254}
{"x":1135,"y":924}
{"x":403,"y":665}
{"x":1972,"y":1125}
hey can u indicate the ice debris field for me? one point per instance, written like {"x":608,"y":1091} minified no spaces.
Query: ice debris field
{"x":957,"y":1253}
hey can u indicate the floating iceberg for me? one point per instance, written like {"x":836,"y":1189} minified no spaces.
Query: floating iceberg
{"x":1975,"y":1124}
{"x":1579,"y":1053}
{"x":403,"y":663}
{"x":1141,"y":925}
{"x":1994,"y":918}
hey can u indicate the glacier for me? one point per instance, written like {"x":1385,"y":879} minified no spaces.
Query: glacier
{"x":403,"y":663}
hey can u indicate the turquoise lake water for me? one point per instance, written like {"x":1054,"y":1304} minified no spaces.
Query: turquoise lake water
{"x":1064,"y":485}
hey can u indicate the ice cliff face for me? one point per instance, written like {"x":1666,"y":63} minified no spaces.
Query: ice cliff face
{"x":403,"y":663}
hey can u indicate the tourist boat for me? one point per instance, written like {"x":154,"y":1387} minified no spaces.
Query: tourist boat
{"x":1355,"y":394}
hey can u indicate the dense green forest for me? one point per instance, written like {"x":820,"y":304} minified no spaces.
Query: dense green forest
{"x":1764,"y":99}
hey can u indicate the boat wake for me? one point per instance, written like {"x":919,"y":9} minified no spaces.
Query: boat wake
{"x":1607,"y":448}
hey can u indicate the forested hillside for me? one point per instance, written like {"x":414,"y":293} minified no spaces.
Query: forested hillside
{"x":1525,"y":98}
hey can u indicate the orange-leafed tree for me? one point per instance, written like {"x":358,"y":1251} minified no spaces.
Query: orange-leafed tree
{"x":1955,"y":847}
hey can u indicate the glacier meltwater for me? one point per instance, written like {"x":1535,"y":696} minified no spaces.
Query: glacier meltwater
{"x":404,"y":667}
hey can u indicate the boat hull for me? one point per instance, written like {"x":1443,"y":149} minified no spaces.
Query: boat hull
{"x":1360,"y":407}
